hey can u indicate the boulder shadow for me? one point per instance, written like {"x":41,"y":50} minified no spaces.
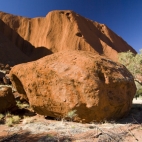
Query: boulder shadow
{"x":24,"y":112}
{"x":40,"y":52}
{"x":134,"y":116}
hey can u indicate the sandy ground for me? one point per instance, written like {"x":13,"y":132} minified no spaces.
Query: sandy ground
{"x":38,"y":129}
{"x":137,"y":101}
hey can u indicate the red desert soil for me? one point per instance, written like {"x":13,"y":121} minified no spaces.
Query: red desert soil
{"x":38,"y":129}
{"x":61,"y":30}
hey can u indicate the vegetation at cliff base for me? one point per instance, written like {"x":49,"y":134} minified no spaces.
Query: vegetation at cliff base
{"x":134,"y":64}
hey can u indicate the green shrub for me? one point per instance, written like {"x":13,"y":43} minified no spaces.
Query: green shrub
{"x":134,"y":64}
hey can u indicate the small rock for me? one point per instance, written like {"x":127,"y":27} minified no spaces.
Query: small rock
{"x":7,"y":101}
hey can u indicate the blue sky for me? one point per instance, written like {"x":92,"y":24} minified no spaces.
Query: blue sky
{"x":124,"y":17}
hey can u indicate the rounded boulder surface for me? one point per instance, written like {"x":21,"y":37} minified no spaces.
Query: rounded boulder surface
{"x":7,"y":100}
{"x":96,"y":87}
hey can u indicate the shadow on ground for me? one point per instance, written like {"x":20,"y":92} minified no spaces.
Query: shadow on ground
{"x":134,"y":116}
{"x":26,"y":136}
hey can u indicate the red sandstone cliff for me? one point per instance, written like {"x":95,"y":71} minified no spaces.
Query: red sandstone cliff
{"x":63,"y":30}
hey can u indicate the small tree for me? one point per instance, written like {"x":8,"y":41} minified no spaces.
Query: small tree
{"x":134,"y":64}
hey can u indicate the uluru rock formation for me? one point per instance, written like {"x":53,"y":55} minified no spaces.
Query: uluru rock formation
{"x":96,"y":87}
{"x":63,"y":30}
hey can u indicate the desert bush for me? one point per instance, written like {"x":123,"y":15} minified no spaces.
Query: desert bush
{"x":139,"y":90}
{"x":134,"y":64}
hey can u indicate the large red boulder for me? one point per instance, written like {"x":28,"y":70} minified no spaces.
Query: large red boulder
{"x":7,"y":100}
{"x":96,"y":87}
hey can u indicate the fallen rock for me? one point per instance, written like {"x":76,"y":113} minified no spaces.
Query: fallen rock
{"x":96,"y":87}
{"x":7,"y":101}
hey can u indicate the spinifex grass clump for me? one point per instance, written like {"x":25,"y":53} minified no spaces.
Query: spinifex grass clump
{"x":71,"y":114}
{"x":10,"y":119}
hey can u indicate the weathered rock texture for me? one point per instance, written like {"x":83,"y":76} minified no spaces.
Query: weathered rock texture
{"x":7,"y":101}
{"x":98,"y":88}
{"x":64,"y":30}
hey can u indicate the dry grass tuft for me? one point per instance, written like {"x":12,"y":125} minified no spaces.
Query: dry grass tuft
{"x":10,"y":119}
